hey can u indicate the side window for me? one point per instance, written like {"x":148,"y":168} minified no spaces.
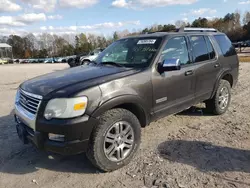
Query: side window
{"x":176,"y":48}
{"x":225,"y":45}
{"x":210,"y":48}
{"x":200,"y":50}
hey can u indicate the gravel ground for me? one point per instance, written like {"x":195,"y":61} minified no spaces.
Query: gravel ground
{"x":190,"y":149}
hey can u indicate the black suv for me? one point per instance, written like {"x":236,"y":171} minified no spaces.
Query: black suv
{"x":100,"y":107}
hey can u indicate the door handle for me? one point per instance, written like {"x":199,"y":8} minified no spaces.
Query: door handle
{"x":188,"y":73}
{"x":216,"y":65}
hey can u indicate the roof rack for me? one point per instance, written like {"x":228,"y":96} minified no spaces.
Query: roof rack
{"x":197,"y":29}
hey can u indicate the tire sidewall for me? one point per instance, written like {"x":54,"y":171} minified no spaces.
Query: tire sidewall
{"x":105,"y":126}
{"x":85,"y":62}
{"x":223,"y":83}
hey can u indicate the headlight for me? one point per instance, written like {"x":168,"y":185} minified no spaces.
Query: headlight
{"x":65,"y":108}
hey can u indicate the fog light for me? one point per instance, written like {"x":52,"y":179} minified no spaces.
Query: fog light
{"x":56,"y":137}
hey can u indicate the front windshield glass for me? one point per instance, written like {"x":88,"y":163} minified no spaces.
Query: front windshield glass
{"x":131,"y":52}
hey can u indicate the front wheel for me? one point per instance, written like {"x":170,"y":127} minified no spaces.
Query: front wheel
{"x":115,"y":140}
{"x":220,"y":102}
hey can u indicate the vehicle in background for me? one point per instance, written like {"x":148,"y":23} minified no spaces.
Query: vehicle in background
{"x":84,"y":59}
{"x":33,"y":60}
{"x":247,"y":43}
{"x":23,"y":61}
{"x":91,"y":56}
{"x":49,"y":60}
{"x":3,"y":61}
{"x":6,"y":61}
{"x":40,"y":60}
{"x":16,"y":61}
{"x":238,"y":44}
{"x":62,"y":60}
{"x":56,"y":59}
{"x":241,"y":44}
{"x":10,"y":61}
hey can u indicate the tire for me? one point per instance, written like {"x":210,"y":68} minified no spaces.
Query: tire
{"x":71,"y":62}
{"x":96,"y":152}
{"x":214,"y":105}
{"x":85,"y":62}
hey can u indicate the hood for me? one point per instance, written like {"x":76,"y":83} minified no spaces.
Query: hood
{"x":55,"y":81}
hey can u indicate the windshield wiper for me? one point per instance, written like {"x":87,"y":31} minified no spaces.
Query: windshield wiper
{"x":111,"y":63}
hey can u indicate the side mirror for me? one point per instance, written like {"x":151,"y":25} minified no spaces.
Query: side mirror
{"x":169,"y":65}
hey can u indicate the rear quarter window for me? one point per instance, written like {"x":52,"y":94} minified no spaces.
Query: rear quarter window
{"x":225,"y":45}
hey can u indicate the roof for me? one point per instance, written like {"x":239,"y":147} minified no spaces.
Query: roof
{"x":4,"y":45}
{"x":163,"y":34}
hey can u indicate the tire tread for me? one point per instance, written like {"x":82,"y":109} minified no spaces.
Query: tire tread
{"x":95,"y":137}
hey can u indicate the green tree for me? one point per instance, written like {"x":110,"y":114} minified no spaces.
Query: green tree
{"x":200,"y":22}
{"x":246,"y":18}
{"x":84,"y":46}
{"x":67,"y":50}
{"x":145,"y":30}
{"x":77,"y":45}
{"x":115,"y":36}
{"x":59,"y":46}
{"x":42,"y":53}
{"x":169,"y":27}
{"x":17,"y":44}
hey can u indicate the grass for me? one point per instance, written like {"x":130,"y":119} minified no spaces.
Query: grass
{"x":244,"y":58}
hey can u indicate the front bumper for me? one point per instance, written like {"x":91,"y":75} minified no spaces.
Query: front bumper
{"x":76,"y":134}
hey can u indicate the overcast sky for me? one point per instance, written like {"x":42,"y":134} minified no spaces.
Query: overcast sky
{"x":105,"y":16}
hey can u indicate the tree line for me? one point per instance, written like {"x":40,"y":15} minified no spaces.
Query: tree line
{"x":235,"y":25}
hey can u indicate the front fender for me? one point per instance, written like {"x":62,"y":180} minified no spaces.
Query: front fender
{"x":121,"y":100}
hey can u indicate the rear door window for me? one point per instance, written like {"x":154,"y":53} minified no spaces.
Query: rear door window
{"x":200,"y":49}
{"x":225,"y":45}
{"x":210,"y":48}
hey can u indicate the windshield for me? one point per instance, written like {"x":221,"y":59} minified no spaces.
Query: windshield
{"x":131,"y":52}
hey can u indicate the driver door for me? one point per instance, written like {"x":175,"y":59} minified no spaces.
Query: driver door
{"x":173,"y":91}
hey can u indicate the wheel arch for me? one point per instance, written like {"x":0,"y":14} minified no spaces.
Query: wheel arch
{"x":85,"y":60}
{"x":129,"y":102}
{"x":224,"y":76}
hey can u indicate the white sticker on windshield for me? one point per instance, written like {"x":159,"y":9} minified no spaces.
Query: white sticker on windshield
{"x":148,"y":41}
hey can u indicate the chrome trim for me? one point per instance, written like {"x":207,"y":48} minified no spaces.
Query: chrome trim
{"x":24,"y":115}
{"x":29,"y":101}
{"x":31,"y":94}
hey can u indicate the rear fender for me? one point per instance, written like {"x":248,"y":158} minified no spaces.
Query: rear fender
{"x":218,"y":81}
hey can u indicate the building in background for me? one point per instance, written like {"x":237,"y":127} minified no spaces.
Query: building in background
{"x":5,"y":51}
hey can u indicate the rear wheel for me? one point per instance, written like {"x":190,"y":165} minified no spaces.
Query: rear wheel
{"x":115,"y":140}
{"x":220,"y":102}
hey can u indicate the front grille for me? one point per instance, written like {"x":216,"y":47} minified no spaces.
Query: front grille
{"x":30,"y":102}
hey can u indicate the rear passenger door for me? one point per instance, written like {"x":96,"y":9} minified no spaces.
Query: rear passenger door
{"x":207,"y":65}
